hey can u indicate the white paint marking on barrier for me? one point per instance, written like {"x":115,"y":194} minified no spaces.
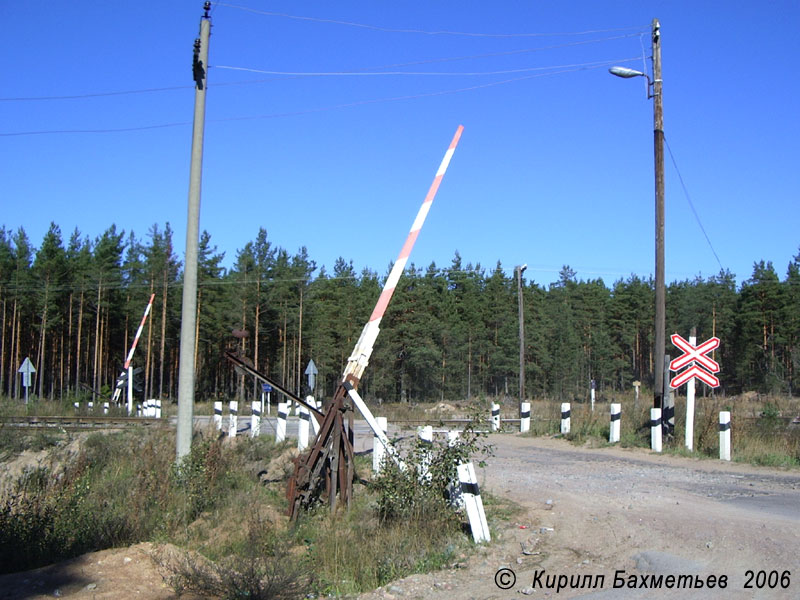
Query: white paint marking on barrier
{"x":616,"y":417}
{"x":495,"y":417}
{"x":378,"y":451}
{"x":283,"y":413}
{"x":473,"y":503}
{"x":525,"y":417}
{"x":655,"y":429}
{"x":724,"y":435}
{"x":218,"y":415}
{"x":303,"y":427}
{"x":233,"y":418}
{"x":565,"y":417}
{"x":255,"y":418}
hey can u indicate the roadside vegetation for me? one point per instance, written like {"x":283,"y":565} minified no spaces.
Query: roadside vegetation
{"x":219,"y":519}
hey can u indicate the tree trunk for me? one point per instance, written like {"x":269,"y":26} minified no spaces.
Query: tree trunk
{"x":78,"y":348}
{"x":163,"y":335}
{"x":95,"y":374}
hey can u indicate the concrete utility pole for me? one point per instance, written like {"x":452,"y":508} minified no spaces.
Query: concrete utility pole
{"x":519,"y":270}
{"x":658,"y":141}
{"x":189,"y":306}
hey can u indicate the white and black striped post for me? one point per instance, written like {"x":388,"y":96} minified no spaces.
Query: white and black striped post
{"x":138,"y":410}
{"x":616,"y":414}
{"x":91,"y":406}
{"x":283,"y":414}
{"x":77,"y":406}
{"x":255,"y":418}
{"x":378,"y":451}
{"x":655,"y":429}
{"x":472,"y":501}
{"x":725,"y":435}
{"x":218,"y":415}
{"x":302,"y":428}
{"x":233,"y":418}
{"x":314,"y":423}
{"x":565,"y":417}
{"x":105,"y":408}
{"x":495,"y":417}
{"x":157,"y":409}
{"x":425,"y":433}
{"x":525,"y":417}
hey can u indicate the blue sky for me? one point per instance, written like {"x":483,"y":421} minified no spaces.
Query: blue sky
{"x":553,"y":168}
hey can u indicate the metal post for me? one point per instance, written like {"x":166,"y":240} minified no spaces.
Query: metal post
{"x":520,"y":269}
{"x":189,"y":306}
{"x":658,"y":141}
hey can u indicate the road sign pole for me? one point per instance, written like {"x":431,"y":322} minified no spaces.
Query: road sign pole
{"x":690,"y":402}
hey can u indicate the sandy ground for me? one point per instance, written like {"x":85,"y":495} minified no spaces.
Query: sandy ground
{"x":585,"y":512}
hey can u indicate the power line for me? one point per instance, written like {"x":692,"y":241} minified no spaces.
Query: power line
{"x":421,"y":31}
{"x":415,"y":73}
{"x":255,"y":81}
{"x":691,"y":205}
{"x":579,"y":67}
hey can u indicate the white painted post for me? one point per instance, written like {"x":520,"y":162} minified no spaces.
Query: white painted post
{"x":453,"y":437}
{"x":158,"y":409}
{"x":302,"y":430}
{"x":525,"y":417}
{"x":255,"y":418}
{"x":495,"y":417}
{"x":689,"y":439}
{"x":655,"y":429}
{"x":565,"y":417}
{"x":616,"y":415}
{"x":130,"y":390}
{"x":105,"y":408}
{"x":283,"y":413}
{"x":91,"y":406}
{"x":425,"y":434}
{"x":592,"y":395}
{"x":473,"y":503}
{"x":233,"y":418}
{"x":138,"y":410}
{"x":314,"y":423}
{"x":269,"y":404}
{"x":77,"y":406}
{"x":378,"y":451}
{"x":218,"y":415}
{"x":724,"y":435}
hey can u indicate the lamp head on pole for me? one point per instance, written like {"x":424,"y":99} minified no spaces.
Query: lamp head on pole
{"x":627,"y":73}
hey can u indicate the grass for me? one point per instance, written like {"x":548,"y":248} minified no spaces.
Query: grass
{"x":231,"y":532}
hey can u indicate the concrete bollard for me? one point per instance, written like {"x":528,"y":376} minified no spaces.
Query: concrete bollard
{"x":655,"y":429}
{"x":157,"y":409}
{"x":565,"y":417}
{"x":303,"y":427}
{"x":77,"y":406}
{"x":105,"y":408}
{"x":472,"y":501}
{"x":525,"y":417}
{"x":91,"y":406}
{"x":725,"y":435}
{"x":138,"y":410}
{"x":283,"y":414}
{"x":495,"y":417}
{"x":425,"y":434}
{"x":255,"y":418}
{"x":233,"y":418}
{"x":314,"y":422}
{"x":378,"y":451}
{"x":616,"y":414}
{"x":218,"y":415}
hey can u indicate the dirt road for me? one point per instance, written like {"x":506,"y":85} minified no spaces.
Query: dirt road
{"x":593,"y":512}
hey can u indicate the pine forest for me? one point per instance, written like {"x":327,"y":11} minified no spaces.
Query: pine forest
{"x":73,"y":305}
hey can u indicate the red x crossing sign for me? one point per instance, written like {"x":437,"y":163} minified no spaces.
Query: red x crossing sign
{"x":700,"y":365}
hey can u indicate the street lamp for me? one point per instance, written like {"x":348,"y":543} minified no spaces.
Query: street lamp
{"x":654,"y":92}
{"x":519,"y":270}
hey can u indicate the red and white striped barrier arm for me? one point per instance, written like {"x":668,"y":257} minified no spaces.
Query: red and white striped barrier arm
{"x":118,"y":390}
{"x":361,"y":353}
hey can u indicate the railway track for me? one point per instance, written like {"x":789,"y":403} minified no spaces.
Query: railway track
{"x":79,"y":423}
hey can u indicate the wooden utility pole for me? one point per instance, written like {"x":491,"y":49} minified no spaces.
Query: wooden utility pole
{"x":658,"y":141}
{"x":189,"y":305}
{"x":519,"y":270}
